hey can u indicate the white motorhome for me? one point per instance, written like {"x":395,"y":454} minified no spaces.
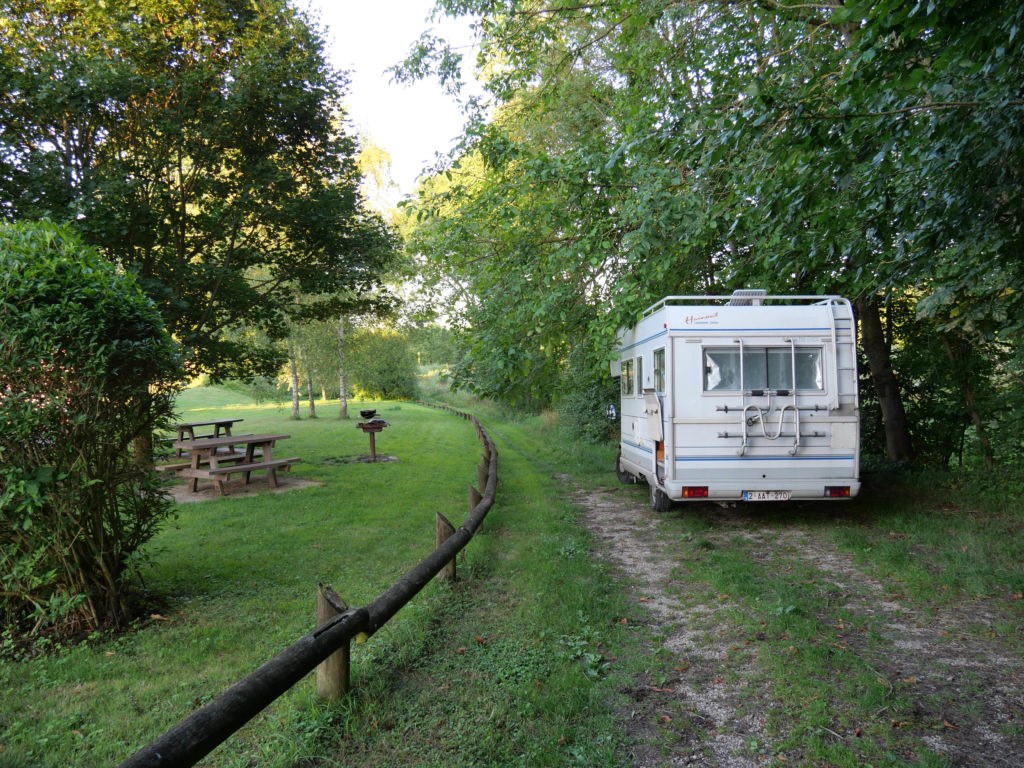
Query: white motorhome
{"x":747,"y":397}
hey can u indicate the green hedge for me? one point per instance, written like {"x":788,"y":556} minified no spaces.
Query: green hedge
{"x":84,"y":366}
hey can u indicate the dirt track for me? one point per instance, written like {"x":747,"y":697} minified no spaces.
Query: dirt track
{"x":966,"y":686}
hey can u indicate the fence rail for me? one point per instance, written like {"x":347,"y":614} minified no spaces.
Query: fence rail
{"x":195,"y":737}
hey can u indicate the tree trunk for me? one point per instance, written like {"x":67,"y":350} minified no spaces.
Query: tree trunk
{"x":142,"y":449}
{"x":309,"y":380}
{"x":956,"y":350}
{"x":142,"y":445}
{"x":897,"y":431}
{"x":293,"y":369}
{"x":342,"y":383}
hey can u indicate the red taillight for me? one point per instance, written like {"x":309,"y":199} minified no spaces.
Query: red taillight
{"x":695,"y":492}
{"x":837,"y":491}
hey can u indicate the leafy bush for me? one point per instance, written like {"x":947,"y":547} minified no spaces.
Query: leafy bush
{"x":381,"y":364}
{"x":586,"y":389}
{"x":82,"y":357}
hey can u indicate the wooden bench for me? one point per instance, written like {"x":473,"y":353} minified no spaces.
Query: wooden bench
{"x":222,"y":474}
{"x":176,"y":467}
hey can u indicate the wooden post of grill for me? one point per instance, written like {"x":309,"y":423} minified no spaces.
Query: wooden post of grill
{"x":444,"y":530}
{"x":332,"y":675}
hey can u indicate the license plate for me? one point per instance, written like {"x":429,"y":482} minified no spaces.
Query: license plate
{"x":766,"y":495}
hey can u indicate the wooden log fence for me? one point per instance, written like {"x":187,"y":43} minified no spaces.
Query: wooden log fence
{"x":326,"y":648}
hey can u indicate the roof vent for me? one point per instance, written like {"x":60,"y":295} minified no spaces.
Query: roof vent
{"x":748,"y":297}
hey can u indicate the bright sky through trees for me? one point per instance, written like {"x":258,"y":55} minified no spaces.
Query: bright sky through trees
{"x":412,"y":122}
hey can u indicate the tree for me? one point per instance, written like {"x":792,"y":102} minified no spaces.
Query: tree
{"x":342,"y":370}
{"x":197,"y":144}
{"x":650,"y":147}
{"x":381,"y":364}
{"x":85,"y":366}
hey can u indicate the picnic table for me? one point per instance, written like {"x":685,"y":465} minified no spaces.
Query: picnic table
{"x":216,"y":459}
{"x":187,"y":430}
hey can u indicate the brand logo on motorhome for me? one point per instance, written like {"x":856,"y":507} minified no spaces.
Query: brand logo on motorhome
{"x":698,"y":319}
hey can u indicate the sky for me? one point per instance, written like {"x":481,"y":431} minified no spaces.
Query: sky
{"x":412,"y":122}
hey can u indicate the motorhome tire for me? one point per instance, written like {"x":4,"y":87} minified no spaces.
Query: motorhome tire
{"x":660,"y":502}
{"x":627,"y":478}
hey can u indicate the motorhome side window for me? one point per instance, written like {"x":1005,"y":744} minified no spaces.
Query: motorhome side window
{"x":627,"y":377}
{"x":763,"y":368}
{"x":659,"y":370}
{"x":639,"y":376}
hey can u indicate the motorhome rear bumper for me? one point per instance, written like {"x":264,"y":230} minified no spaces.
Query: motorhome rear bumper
{"x":797,"y":490}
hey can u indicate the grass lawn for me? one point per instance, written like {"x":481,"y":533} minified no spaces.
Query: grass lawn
{"x":540,"y":655}
{"x":507,"y":667}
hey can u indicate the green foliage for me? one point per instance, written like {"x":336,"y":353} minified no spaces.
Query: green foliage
{"x":381,"y":364}
{"x":585,"y":392}
{"x":432,"y":344}
{"x":84,"y":361}
{"x":200,"y":146}
{"x":638,"y":148}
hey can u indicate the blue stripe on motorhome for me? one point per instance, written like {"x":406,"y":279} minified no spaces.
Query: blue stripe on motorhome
{"x":638,"y":447}
{"x":710,"y":329}
{"x":762,"y":458}
{"x":703,"y":329}
{"x":644,"y":341}
{"x":692,"y":459}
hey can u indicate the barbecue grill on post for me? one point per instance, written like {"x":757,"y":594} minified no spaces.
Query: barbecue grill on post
{"x":372,"y":427}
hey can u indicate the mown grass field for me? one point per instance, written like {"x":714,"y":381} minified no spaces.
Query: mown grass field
{"x":515,"y":650}
{"x":543,"y":653}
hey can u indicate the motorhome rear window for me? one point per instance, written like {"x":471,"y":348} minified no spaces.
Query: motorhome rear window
{"x":627,"y":377}
{"x":763,"y":368}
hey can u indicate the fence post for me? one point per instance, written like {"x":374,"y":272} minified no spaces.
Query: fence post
{"x":444,"y":530}
{"x":481,"y":475}
{"x":332,"y":674}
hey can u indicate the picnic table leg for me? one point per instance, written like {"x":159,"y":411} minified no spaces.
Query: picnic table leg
{"x":268,"y":455}
{"x":181,"y":436}
{"x":193,"y":482}
{"x":218,"y":479}
{"x":249,"y":450}
{"x":227,"y":433}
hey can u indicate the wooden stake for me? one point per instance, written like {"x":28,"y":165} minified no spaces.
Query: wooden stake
{"x":332,"y":675}
{"x":481,"y":475}
{"x":444,"y":530}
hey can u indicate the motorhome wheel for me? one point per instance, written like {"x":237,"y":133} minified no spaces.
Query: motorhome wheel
{"x":659,"y":501}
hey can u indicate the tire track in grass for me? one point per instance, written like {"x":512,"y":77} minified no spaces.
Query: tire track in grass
{"x":696,"y":716}
{"x":966,"y":688}
{"x":954,"y":693}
